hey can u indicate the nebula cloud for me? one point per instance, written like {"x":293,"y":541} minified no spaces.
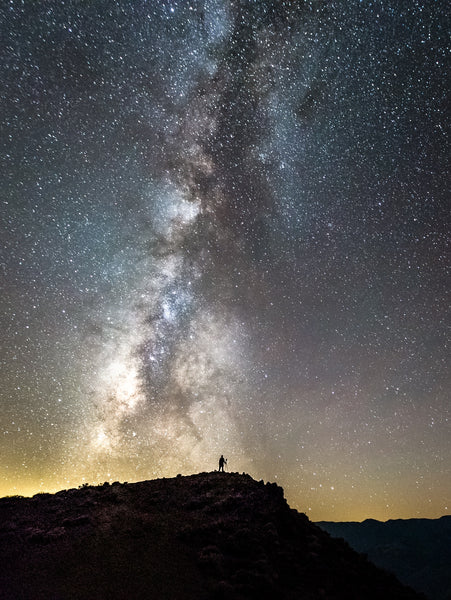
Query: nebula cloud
{"x":226,"y":234}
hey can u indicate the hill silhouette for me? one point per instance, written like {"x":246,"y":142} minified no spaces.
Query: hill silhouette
{"x":418,"y":551}
{"x":212,"y":535}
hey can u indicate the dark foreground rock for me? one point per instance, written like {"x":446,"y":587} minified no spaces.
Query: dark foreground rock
{"x":207,"y":536}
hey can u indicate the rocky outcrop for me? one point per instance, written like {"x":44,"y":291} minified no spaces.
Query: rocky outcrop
{"x":212,"y":535}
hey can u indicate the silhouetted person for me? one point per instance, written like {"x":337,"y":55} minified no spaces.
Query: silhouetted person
{"x":222,"y":462}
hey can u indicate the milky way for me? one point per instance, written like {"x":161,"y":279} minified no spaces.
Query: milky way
{"x":224,"y":229}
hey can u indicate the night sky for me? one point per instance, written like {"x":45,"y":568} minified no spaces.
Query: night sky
{"x":224,"y":230}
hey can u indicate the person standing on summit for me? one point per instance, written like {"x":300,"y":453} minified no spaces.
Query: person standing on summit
{"x":222,"y":462}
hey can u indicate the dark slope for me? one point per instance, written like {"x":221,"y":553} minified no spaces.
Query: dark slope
{"x":418,"y":551}
{"x":211,"y":535}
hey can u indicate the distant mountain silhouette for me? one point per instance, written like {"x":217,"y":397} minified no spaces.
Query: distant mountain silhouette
{"x":206,"y":536}
{"x":418,"y":551}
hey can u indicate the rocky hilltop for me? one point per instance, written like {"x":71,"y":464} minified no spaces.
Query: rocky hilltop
{"x":206,"y":536}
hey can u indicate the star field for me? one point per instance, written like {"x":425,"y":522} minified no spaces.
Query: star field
{"x":225,"y":230}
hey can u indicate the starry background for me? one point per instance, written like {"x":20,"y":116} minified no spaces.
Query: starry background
{"x":224,"y":230}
